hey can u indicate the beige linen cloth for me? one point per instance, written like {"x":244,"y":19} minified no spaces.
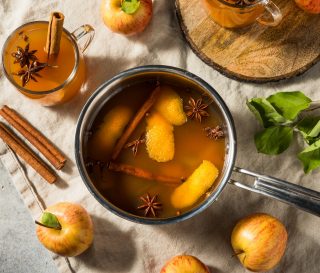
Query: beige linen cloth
{"x":122,"y":246}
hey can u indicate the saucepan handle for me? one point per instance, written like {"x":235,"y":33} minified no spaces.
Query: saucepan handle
{"x":292,"y":194}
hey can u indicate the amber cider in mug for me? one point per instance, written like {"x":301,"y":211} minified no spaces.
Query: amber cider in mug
{"x":58,"y":78}
{"x":241,"y":13}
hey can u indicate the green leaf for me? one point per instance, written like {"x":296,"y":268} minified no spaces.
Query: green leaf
{"x":50,"y":220}
{"x":289,"y":104}
{"x":310,"y":157}
{"x":273,"y":140}
{"x":130,"y":6}
{"x":309,"y":127}
{"x":265,"y":112}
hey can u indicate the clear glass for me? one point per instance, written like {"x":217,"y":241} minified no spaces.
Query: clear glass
{"x":228,"y":14}
{"x":62,"y":88}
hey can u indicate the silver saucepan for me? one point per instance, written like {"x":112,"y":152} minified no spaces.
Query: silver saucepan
{"x":300,"y":197}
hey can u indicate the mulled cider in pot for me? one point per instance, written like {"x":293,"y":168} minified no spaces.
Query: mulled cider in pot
{"x":156,"y":148}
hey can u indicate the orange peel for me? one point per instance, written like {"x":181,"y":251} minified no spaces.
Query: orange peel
{"x":159,"y":138}
{"x":111,"y":128}
{"x":170,"y":106}
{"x":198,"y":183}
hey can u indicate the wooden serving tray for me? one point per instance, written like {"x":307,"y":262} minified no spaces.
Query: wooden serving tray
{"x":255,"y":53}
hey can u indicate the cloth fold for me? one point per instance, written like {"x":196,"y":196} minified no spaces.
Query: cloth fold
{"x":122,"y":246}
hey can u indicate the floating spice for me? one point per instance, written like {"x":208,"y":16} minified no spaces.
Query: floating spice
{"x":150,"y":205}
{"x":55,"y":30}
{"x":196,"y":109}
{"x":138,"y":172}
{"x":214,"y":133}
{"x":24,"y":36}
{"x":90,"y":164}
{"x":24,"y":56}
{"x":134,"y":145}
{"x":31,"y":72}
{"x":243,"y":2}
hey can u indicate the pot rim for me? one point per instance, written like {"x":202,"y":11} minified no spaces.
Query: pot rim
{"x":229,"y":161}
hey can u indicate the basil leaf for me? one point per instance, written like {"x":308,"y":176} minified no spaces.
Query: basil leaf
{"x":265,"y":112}
{"x":310,"y":157}
{"x":130,"y":6}
{"x":289,"y":104}
{"x":50,"y":220}
{"x":273,"y":140}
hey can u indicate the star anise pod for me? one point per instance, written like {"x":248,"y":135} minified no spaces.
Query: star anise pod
{"x":134,"y":145}
{"x":196,"y":109}
{"x":89,"y":165}
{"x":214,"y":133}
{"x":31,"y":72}
{"x":150,"y":205}
{"x":24,"y":56}
{"x":244,"y":2}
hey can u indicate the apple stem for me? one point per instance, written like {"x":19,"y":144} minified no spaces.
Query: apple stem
{"x":40,"y":224}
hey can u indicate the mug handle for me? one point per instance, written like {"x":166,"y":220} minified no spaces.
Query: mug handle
{"x":276,"y":15}
{"x":292,"y":194}
{"x":81,"y":32}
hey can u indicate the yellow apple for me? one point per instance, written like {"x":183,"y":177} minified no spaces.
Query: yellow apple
{"x":126,"y":16}
{"x":311,"y":6}
{"x":66,"y":229}
{"x":259,"y":241}
{"x":184,"y":264}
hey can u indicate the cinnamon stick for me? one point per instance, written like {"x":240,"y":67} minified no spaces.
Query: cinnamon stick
{"x":134,"y":171}
{"x":26,"y":154}
{"x":135,"y":121}
{"x":54,"y":34}
{"x":37,"y":139}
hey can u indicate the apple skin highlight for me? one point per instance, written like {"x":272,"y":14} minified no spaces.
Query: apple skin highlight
{"x":311,"y":6}
{"x":259,"y":241}
{"x":76,"y":234}
{"x":128,"y":24}
{"x":184,"y":264}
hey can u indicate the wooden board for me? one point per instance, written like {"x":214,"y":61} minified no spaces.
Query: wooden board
{"x":255,"y":53}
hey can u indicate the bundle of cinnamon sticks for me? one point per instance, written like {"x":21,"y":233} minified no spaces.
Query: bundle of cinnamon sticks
{"x":31,"y":134}
{"x":36,"y":138}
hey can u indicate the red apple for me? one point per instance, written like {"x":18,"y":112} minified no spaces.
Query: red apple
{"x":126,"y":16}
{"x":184,"y":264}
{"x":66,"y":229}
{"x":259,"y":241}
{"x":312,"y":6}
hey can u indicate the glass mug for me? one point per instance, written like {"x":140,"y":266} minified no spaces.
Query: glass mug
{"x":241,"y":13}
{"x":60,"y":80}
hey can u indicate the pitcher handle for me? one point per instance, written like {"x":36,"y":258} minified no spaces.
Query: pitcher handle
{"x":81,"y":32}
{"x":274,"y":12}
{"x":292,"y":194}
